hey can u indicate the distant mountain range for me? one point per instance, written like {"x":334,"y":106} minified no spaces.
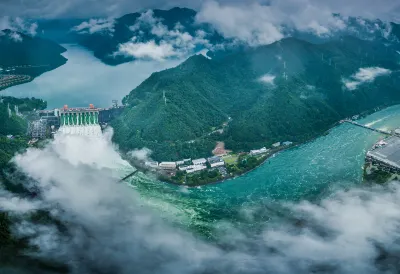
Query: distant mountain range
{"x":110,"y":39}
{"x":290,"y":90}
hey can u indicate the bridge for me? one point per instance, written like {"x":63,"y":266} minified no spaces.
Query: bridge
{"x":366,"y":127}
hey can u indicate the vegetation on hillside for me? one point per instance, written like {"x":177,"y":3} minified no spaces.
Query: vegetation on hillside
{"x":302,"y":95}
{"x":26,"y":56}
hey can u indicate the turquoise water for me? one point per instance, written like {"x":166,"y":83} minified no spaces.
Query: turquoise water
{"x":310,"y":171}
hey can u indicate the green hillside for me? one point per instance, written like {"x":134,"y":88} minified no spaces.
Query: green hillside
{"x":201,"y":94}
{"x":23,"y":57}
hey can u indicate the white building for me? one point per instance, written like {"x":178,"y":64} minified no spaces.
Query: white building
{"x":200,"y":161}
{"x":259,"y":151}
{"x":167,"y":165}
{"x":287,"y":143}
{"x":216,"y":161}
{"x":179,"y":163}
{"x":151,"y":164}
{"x":278,"y":144}
{"x":194,"y":168}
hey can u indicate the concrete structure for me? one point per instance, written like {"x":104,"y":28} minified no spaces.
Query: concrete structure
{"x":216,"y":161}
{"x":79,"y":116}
{"x":200,"y":161}
{"x":38,"y":129}
{"x":386,"y":154}
{"x":167,"y":165}
{"x":195,"y":168}
{"x":258,"y":151}
{"x":179,"y":163}
{"x":151,"y":164}
{"x":278,"y":144}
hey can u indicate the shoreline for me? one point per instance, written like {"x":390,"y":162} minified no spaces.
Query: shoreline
{"x":278,"y":151}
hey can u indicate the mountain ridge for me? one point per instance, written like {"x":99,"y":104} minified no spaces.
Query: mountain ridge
{"x":302,"y":94}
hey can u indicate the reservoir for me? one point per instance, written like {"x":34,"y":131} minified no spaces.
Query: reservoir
{"x":85,"y":80}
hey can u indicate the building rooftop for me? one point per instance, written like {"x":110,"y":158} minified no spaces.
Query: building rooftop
{"x":388,"y":153}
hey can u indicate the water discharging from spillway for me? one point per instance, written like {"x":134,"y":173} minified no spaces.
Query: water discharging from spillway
{"x":83,"y":122}
{"x":86,"y":130}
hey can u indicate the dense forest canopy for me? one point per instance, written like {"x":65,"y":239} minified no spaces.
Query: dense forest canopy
{"x":289,"y":90}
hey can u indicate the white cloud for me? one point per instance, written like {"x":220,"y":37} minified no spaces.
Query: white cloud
{"x":347,"y":232}
{"x":268,"y":79}
{"x":148,"y":50}
{"x":18,"y":24}
{"x":96,"y":25}
{"x":16,"y":37}
{"x":364,"y":75}
{"x":257,"y":24}
{"x":251,"y":24}
{"x":170,"y":43}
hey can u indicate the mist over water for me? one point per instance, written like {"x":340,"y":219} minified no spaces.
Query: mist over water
{"x":304,"y":211}
{"x":121,"y":228}
{"x":85,"y":80}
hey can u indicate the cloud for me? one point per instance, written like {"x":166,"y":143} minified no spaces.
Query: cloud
{"x":108,"y":227}
{"x":251,"y":24}
{"x":16,"y":37}
{"x":148,"y":50}
{"x":268,"y":79}
{"x":18,"y":24}
{"x":140,"y":155}
{"x":384,"y":9}
{"x":96,"y":25}
{"x":167,"y":43}
{"x":364,"y":75}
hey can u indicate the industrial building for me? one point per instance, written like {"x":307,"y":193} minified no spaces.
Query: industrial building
{"x":167,"y":165}
{"x":38,"y":129}
{"x":258,"y":151}
{"x":216,"y":161}
{"x":201,"y":161}
{"x":386,"y":154}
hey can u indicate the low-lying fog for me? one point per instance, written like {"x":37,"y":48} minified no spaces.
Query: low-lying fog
{"x":108,"y":230}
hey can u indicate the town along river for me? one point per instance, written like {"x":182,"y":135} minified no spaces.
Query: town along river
{"x":312,"y":171}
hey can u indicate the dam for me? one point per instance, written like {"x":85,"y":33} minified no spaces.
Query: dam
{"x":85,"y":121}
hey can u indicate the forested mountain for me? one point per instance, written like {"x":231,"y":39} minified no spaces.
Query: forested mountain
{"x":177,"y":33}
{"x":105,"y":37}
{"x":290,"y":90}
{"x":23,"y":57}
{"x":13,"y":124}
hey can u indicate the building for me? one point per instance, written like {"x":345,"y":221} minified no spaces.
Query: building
{"x":195,"y":168}
{"x":167,"y":165}
{"x":386,"y":155}
{"x":38,"y":129}
{"x":151,"y":164}
{"x":79,"y":116}
{"x":258,"y":151}
{"x":180,"y":163}
{"x":216,"y":161}
{"x":277,"y":144}
{"x":287,"y":143}
{"x":201,"y":161}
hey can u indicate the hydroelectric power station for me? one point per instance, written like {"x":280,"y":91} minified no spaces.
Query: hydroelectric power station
{"x":87,"y":121}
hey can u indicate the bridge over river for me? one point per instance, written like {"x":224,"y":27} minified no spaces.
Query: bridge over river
{"x":366,"y":127}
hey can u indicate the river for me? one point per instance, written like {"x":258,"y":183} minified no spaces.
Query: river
{"x":312,"y":171}
{"x":305,"y":210}
{"x":84,"y":80}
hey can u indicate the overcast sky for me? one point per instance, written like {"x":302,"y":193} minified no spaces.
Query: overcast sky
{"x":385,"y":9}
